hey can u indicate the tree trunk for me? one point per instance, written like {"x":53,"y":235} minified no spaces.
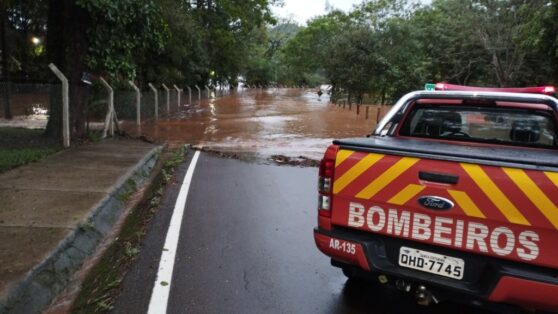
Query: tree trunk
{"x":55,"y":54}
{"x":78,"y":46}
{"x":383,"y":96}
{"x":67,"y":47}
{"x":5,"y":68}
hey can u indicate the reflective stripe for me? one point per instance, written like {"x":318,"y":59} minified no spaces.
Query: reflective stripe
{"x":466,"y":204}
{"x":387,"y":177}
{"x":553,"y":176}
{"x":536,"y":195}
{"x":353,"y":173}
{"x":342,"y":155}
{"x":492,"y":191}
{"x":406,"y":194}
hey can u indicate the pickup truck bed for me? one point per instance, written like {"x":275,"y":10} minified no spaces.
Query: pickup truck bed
{"x":488,"y":155}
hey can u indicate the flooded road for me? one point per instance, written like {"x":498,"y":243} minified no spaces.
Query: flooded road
{"x":289,"y":122}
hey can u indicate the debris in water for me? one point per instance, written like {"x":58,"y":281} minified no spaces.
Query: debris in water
{"x":300,"y":161}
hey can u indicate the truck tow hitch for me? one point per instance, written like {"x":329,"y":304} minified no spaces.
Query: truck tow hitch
{"x":424,"y":296}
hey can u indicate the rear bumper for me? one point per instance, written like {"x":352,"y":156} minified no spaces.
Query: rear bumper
{"x":485,"y":279}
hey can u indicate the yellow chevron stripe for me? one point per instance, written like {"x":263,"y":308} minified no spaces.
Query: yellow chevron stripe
{"x":353,"y":173}
{"x":342,"y":155}
{"x":467,"y":204}
{"x":492,"y":191}
{"x":553,"y":176}
{"x":387,"y":177}
{"x":406,"y":194}
{"x":536,"y":195}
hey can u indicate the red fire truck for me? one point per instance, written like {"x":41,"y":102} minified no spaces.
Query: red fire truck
{"x":453,"y":196}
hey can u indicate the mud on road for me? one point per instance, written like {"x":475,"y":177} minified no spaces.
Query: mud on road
{"x":283,"y":125}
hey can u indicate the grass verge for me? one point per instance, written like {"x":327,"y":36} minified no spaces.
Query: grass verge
{"x":19,"y":146}
{"x":101,"y":285}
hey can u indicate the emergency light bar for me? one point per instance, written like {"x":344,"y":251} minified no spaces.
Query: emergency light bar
{"x":547,"y":90}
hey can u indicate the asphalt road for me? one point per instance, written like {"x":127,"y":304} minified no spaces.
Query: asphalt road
{"x":246,"y":246}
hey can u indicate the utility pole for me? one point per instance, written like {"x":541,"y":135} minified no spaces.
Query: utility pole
{"x":5,"y":56}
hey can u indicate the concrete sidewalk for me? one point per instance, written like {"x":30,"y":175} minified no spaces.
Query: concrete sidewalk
{"x":54,"y":212}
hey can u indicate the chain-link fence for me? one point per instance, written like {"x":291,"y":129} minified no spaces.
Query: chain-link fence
{"x":30,"y":105}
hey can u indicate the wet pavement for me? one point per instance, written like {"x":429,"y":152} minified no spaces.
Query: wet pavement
{"x":246,"y":246}
{"x":289,"y":122}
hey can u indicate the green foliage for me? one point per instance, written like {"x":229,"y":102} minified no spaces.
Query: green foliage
{"x":386,"y":48}
{"x":25,"y":20}
{"x":120,"y":34}
{"x":307,"y":51}
{"x":211,"y":43}
{"x":383,"y":48}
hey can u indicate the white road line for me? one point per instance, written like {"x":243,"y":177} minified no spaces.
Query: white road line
{"x":162,"y":286}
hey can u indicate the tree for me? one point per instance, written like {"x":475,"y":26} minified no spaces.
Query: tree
{"x":20,"y":21}
{"x":308,"y":51}
{"x":183,"y":60}
{"x":538,"y":38}
{"x":118,"y":33}
{"x":352,"y":60}
{"x":5,"y":56}
{"x":264,"y":65}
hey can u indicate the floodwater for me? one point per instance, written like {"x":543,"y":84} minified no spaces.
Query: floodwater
{"x":287,"y":122}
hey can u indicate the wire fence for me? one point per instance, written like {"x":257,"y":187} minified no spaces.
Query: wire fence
{"x":30,"y":104}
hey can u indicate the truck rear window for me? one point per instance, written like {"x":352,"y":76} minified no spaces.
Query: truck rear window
{"x":485,"y":124}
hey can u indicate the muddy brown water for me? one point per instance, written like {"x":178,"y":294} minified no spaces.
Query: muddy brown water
{"x":287,"y":122}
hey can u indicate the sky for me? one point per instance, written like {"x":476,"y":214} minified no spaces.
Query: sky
{"x":303,"y":10}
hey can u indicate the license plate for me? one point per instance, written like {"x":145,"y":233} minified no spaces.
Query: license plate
{"x":433,"y":263}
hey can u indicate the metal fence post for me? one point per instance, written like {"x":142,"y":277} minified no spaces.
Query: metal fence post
{"x":199,"y":94}
{"x":178,"y":91}
{"x":65,"y":105}
{"x":168,"y":97}
{"x":189,"y":95}
{"x":156,"y":100}
{"x":138,"y":102}
{"x":207,"y":89}
{"x":109,"y":119}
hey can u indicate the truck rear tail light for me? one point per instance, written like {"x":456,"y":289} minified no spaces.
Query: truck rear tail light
{"x":324,"y":185}
{"x":325,"y":181}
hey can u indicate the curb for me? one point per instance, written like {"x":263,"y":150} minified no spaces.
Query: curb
{"x":47,"y":279}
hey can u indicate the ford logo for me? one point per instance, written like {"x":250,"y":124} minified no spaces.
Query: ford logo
{"x":435,"y":203}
